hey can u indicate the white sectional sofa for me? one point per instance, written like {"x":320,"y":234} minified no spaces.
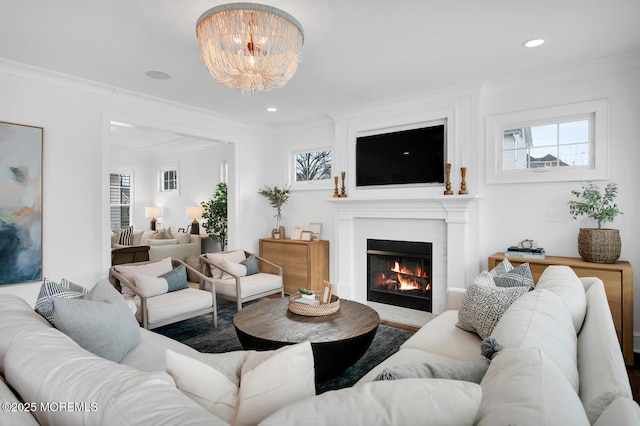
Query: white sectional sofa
{"x":547,"y":373}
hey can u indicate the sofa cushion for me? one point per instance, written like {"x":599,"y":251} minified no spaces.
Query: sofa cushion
{"x":603,"y":376}
{"x":169,"y":305}
{"x":102,"y":322}
{"x":11,"y":414}
{"x":235,"y":256}
{"x":154,"y":269}
{"x":524,"y":387}
{"x":540,"y":319}
{"x":564,"y":282}
{"x":14,"y":310}
{"x":251,"y":264}
{"x":108,"y":393}
{"x":249,"y":285}
{"x":404,"y":402}
{"x":50,"y":290}
{"x":469,"y":371}
{"x":244,"y":387}
{"x":621,"y":411}
{"x":436,"y":337}
{"x":162,"y":242}
{"x":484,"y":304}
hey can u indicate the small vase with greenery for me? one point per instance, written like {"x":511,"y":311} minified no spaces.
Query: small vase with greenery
{"x":277,"y":198}
{"x":214,"y":212}
{"x":598,"y":245}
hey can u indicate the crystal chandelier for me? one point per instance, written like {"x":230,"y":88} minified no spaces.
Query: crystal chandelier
{"x":249,"y":46}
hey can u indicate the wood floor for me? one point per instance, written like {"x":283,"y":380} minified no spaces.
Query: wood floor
{"x":634,"y":377}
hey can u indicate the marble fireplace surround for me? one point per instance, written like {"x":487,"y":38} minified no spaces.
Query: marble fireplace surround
{"x":442,"y":220}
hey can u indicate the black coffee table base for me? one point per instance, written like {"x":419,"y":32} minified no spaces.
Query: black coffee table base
{"x":330,"y":358}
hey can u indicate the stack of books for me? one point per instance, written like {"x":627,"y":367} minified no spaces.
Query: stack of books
{"x":525,"y":253}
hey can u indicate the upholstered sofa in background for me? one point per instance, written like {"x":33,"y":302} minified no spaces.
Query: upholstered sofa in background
{"x":162,"y":243}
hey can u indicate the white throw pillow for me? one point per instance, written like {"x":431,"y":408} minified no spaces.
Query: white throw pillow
{"x":151,"y":286}
{"x":154,"y":269}
{"x":244,"y":387}
{"x":524,"y":387}
{"x":235,"y":256}
{"x":540,"y":319}
{"x":564,"y":282}
{"x":182,"y":237}
{"x":398,"y":402}
{"x":235,"y":268}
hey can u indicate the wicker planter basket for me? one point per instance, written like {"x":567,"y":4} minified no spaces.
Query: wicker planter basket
{"x":599,"y":245}
{"x":311,"y":310}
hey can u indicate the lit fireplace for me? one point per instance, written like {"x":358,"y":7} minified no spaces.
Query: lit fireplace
{"x":399,"y":273}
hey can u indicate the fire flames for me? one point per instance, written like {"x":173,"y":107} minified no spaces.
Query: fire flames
{"x":405,"y":279}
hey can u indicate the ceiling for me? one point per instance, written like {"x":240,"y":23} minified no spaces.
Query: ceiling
{"x":356,"y":52}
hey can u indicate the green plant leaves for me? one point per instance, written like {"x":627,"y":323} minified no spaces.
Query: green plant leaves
{"x":594,"y":204}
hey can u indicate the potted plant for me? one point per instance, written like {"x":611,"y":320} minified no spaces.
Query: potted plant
{"x":277,"y":197}
{"x":598,"y":245}
{"x":214,"y":212}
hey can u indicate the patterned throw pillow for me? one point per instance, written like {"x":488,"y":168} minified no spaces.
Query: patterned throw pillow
{"x":484,"y":304}
{"x":50,"y":290}
{"x":517,"y":277}
{"x":126,"y":236}
{"x":501,"y":268}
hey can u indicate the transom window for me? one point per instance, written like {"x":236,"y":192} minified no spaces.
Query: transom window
{"x":554,"y":144}
{"x":168,"y":180}
{"x":565,"y":144}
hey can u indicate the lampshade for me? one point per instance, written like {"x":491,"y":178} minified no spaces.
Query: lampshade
{"x":152,"y":211}
{"x":249,"y":46}
{"x":194,"y":212}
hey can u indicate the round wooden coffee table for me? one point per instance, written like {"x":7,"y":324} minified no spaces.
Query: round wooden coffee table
{"x":338,"y":340}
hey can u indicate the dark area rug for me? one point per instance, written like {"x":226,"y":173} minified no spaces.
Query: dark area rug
{"x":199,"y":334}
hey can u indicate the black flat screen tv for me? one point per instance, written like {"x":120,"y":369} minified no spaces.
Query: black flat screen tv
{"x":414,"y":156}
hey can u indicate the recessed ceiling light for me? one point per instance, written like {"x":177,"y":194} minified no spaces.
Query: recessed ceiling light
{"x":272,"y":109}
{"x":158,"y":75}
{"x":534,"y":42}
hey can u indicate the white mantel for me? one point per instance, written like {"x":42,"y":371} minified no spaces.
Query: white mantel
{"x":442,"y":220}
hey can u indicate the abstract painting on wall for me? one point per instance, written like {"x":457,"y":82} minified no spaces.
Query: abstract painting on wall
{"x":20,"y":203}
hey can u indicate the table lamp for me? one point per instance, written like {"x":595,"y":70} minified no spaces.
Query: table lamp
{"x":153,"y":212}
{"x":194,"y":212}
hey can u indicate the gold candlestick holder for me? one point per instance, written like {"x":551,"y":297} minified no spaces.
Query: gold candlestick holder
{"x":463,"y":184}
{"x":343,"y":190}
{"x":335,"y":190}
{"x":448,"y":190}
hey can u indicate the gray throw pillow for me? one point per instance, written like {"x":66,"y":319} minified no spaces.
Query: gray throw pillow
{"x":520,"y":276}
{"x":176,"y":278}
{"x":468,"y":371}
{"x":251,"y":264}
{"x":101,"y":323}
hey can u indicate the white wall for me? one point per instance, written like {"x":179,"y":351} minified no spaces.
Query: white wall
{"x":513,"y":212}
{"x":75,"y":116}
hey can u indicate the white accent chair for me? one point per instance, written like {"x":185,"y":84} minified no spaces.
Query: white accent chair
{"x":167,"y":308}
{"x":233,"y":282}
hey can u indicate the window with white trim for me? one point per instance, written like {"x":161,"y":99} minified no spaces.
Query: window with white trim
{"x":562,"y":143}
{"x":120,"y":192}
{"x":168,"y":180}
{"x":311,"y":168}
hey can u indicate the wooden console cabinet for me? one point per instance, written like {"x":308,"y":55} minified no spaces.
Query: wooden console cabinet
{"x":305,"y":264}
{"x":618,"y":284}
